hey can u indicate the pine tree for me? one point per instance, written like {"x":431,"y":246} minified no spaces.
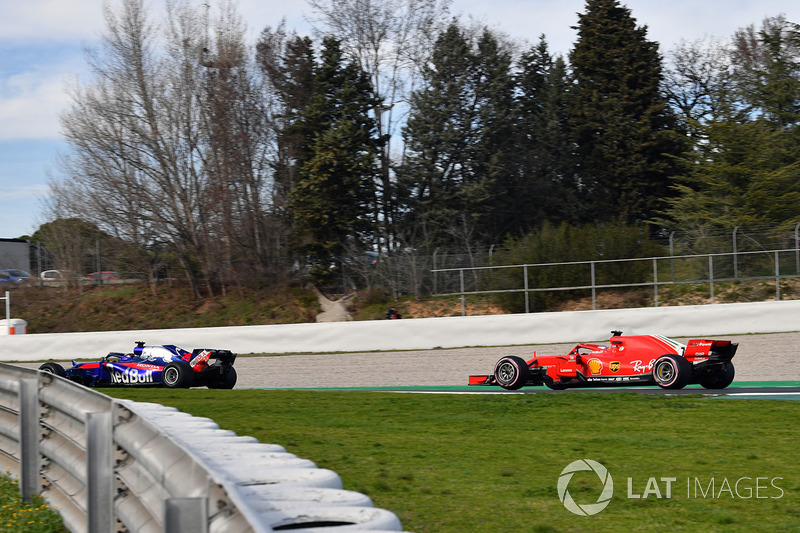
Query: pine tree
{"x":332,"y":201}
{"x":459,"y":170}
{"x":546,"y":188}
{"x":435,"y":180}
{"x":625,"y":132}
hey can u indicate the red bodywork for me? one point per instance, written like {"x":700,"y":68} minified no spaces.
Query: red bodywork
{"x":626,"y":360}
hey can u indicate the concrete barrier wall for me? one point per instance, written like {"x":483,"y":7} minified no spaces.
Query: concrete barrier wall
{"x":423,"y":333}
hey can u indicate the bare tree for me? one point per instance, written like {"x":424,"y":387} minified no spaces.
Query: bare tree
{"x":698,"y":82}
{"x":169,"y":144}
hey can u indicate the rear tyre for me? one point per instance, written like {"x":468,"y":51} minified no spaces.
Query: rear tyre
{"x":53,"y":368}
{"x":720,"y":379}
{"x":226,"y":381}
{"x":511,"y":372}
{"x":672,"y":371}
{"x":177,"y":375}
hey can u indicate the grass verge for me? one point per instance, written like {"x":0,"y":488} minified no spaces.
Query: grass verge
{"x":17,"y":516}
{"x":454,"y":463}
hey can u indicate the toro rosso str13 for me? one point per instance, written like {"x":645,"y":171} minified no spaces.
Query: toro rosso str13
{"x":165,"y":365}
{"x":629,"y":360}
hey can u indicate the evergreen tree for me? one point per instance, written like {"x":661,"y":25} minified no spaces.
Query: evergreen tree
{"x":493,"y":155}
{"x":625,"y":132}
{"x":545,"y":187}
{"x":332,"y":201}
{"x":459,"y":171}
{"x":288,"y":62}
{"x":745,"y":172}
{"x":767,"y":70}
{"x":437,"y":192}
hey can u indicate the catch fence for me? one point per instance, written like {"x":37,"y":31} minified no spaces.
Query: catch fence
{"x":704,"y":272}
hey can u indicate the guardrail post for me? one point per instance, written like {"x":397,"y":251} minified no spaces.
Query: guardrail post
{"x":100,"y":471}
{"x":186,"y":515}
{"x":29,"y":437}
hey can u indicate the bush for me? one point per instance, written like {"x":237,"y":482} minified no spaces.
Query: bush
{"x":553,"y":246}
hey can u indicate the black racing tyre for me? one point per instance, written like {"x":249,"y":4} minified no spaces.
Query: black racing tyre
{"x":672,"y":371}
{"x":511,"y":372}
{"x":720,"y":379}
{"x":177,"y":375}
{"x":54,"y":368}
{"x":226,"y":381}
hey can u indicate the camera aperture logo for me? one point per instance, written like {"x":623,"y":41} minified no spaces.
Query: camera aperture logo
{"x":586,"y":509}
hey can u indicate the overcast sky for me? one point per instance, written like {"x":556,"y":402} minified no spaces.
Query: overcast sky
{"x":42,"y":43}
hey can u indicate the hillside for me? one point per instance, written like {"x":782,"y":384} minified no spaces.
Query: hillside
{"x":125,"y":307}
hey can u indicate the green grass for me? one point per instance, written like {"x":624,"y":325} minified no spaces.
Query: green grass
{"x":453,"y":463}
{"x":17,"y":516}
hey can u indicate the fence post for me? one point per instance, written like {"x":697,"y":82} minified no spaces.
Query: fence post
{"x":29,"y":437}
{"x":527,"y":294}
{"x":711,"y":275}
{"x":655,"y":281}
{"x":797,"y":247}
{"x":594,"y":290}
{"x":672,"y":254}
{"x":463,"y":297}
{"x":777,"y":276}
{"x":100,"y":471}
{"x":435,"y":291}
{"x":8,"y":312}
{"x":735,"y":256}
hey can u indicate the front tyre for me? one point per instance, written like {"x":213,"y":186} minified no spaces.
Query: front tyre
{"x":720,"y":379}
{"x":226,"y":381}
{"x":511,"y":372}
{"x":177,"y":375}
{"x":53,"y":368}
{"x":672,"y":371}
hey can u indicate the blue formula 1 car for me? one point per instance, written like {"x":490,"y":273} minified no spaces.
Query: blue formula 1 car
{"x":152,"y":366}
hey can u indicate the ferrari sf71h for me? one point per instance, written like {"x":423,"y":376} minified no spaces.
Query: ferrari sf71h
{"x":628,"y":360}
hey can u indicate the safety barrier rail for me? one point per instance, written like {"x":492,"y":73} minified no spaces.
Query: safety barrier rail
{"x":116,"y":465}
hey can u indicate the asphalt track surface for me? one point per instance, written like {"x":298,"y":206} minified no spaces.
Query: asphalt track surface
{"x":767,"y":365}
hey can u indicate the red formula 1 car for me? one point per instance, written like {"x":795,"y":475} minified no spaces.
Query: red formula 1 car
{"x":629,"y":360}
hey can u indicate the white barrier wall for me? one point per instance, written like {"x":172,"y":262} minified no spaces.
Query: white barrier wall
{"x":423,"y":333}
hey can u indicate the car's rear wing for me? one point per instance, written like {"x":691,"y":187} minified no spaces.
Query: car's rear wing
{"x":704,"y":349}
{"x":225,"y":357}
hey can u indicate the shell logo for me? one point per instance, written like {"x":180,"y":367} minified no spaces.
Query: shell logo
{"x":595,"y":366}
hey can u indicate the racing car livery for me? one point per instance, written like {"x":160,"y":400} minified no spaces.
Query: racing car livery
{"x":165,"y":365}
{"x":629,"y":360}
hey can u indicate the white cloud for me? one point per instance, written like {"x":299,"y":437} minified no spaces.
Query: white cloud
{"x":50,"y":19}
{"x":30,"y":103}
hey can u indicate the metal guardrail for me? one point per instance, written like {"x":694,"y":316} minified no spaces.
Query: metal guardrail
{"x":734,"y":269}
{"x":115,"y":465}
